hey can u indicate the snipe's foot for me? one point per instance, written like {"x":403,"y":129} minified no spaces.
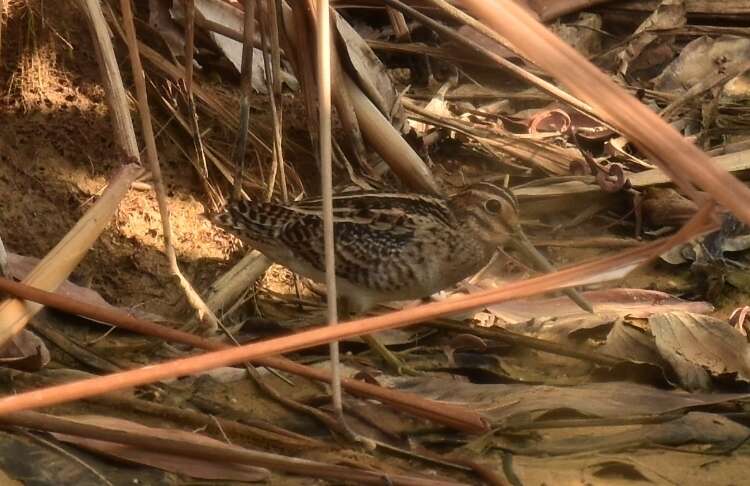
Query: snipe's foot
{"x":393,"y":361}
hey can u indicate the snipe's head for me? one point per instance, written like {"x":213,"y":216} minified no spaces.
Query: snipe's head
{"x":488,"y":210}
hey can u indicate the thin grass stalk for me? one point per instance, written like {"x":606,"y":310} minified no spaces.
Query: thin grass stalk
{"x":326,"y":184}
{"x":278,"y":158}
{"x":593,"y":271}
{"x":277,"y":107}
{"x":200,"y":151}
{"x":204,"y":313}
{"x":246,"y":89}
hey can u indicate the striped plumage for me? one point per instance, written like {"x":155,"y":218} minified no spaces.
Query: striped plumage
{"x":389,"y":246}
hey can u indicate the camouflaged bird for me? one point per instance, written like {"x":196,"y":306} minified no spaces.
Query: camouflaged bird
{"x":389,"y":246}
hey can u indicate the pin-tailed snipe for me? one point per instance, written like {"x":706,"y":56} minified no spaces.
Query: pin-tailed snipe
{"x":389,"y":246}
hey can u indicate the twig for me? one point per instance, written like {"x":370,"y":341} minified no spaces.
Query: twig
{"x":204,"y":313}
{"x":506,"y":336}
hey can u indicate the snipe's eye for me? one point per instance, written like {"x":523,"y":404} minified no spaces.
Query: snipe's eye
{"x":493,"y":206}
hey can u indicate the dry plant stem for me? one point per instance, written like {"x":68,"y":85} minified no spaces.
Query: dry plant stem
{"x":255,"y":431}
{"x":274,"y":7}
{"x":274,"y":100}
{"x":200,"y":152}
{"x":117,"y":98}
{"x":398,"y":22}
{"x":204,"y":313}
{"x":581,"y":274}
{"x":2,"y":19}
{"x":246,"y":88}
{"x":343,"y":102}
{"x":326,"y":183}
{"x":347,"y":112}
{"x":301,"y":36}
{"x":57,"y":265}
{"x":79,"y":353}
{"x":223,"y":453}
{"x":541,"y":84}
{"x":380,"y":134}
{"x":233,"y":283}
{"x":686,"y":164}
{"x":448,"y":415}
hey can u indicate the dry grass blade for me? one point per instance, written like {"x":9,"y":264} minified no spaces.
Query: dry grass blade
{"x":586,"y":273}
{"x":686,"y":164}
{"x":209,"y":451}
{"x":65,"y":256}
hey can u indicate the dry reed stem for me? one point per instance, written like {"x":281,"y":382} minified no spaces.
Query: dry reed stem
{"x":685,"y":163}
{"x":246,"y":88}
{"x":117,"y":98}
{"x":593,"y":271}
{"x":323,"y":24}
{"x":57,"y":265}
{"x":204,"y":313}
{"x":273,"y":83}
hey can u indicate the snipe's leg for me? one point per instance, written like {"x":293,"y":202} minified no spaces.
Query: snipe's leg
{"x":393,"y":361}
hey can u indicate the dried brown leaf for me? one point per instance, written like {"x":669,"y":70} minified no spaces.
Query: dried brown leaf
{"x":525,"y":404}
{"x":24,"y":351}
{"x":700,"y":348}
